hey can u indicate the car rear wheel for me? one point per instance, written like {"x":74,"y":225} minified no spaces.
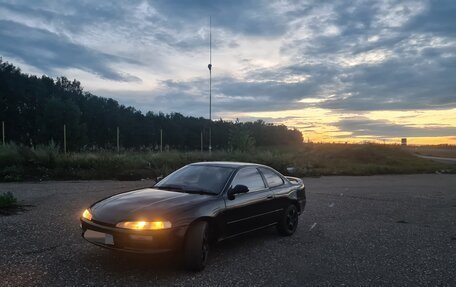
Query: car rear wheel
{"x":289,"y":221}
{"x":196,"y":247}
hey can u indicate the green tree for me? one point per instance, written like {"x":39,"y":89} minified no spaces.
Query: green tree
{"x":35,"y":108}
{"x":240,"y":138}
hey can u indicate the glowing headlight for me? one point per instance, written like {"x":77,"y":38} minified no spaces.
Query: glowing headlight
{"x":144,"y":225}
{"x":87,"y":215}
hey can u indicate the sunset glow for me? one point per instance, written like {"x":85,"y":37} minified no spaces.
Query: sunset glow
{"x":321,"y":125}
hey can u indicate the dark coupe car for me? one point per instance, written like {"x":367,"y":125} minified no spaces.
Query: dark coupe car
{"x":194,"y":206}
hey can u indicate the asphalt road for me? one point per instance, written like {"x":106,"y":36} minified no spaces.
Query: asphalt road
{"x":438,"y":158}
{"x":377,"y":230}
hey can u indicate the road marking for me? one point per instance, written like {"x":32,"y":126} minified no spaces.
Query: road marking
{"x":313,"y":225}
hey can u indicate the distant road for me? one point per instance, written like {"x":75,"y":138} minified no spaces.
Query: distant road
{"x":439,"y":159}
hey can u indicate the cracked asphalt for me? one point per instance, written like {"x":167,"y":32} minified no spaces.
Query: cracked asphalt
{"x":379,"y":230}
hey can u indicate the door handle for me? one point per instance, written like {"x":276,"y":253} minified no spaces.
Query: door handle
{"x":269,"y":197}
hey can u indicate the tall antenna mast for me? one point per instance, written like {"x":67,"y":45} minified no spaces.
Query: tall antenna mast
{"x":210,"y":83}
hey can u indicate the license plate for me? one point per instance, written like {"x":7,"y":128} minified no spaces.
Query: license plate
{"x":99,"y":237}
{"x":109,"y":239}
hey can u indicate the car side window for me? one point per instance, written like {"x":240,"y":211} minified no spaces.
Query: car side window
{"x":249,"y":177}
{"x":271,"y":177}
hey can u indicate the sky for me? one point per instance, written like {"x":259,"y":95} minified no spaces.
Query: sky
{"x":339,"y":71}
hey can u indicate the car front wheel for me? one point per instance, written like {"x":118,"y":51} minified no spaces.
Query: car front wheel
{"x":289,"y":221}
{"x":196,"y":247}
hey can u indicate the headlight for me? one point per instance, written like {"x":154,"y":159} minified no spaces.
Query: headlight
{"x":87,"y":215}
{"x":144,"y":225}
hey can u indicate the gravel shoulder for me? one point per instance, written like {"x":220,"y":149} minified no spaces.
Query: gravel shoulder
{"x":376,"y":230}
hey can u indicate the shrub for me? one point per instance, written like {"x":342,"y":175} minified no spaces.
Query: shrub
{"x":45,"y":162}
{"x":7,"y":199}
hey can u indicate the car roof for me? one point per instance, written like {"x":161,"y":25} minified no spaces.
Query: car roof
{"x":232,"y":164}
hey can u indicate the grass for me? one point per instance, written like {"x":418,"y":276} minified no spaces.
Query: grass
{"x":18,"y":163}
{"x":7,"y":200}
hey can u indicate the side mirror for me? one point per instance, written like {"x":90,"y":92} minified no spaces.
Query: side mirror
{"x":236,"y":190}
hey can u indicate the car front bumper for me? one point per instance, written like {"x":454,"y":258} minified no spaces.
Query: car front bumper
{"x":137,"y":241}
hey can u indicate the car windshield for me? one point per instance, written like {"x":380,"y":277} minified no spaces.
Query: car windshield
{"x":203,"y":179}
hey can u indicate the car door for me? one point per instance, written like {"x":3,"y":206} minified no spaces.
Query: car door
{"x":279,"y":190}
{"x":250,"y":210}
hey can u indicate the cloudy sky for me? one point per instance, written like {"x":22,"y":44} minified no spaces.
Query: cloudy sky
{"x":336,"y":70}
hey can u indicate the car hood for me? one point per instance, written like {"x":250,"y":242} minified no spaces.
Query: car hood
{"x":144,"y":204}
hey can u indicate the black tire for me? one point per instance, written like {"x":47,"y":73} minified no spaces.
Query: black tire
{"x":196,"y":246}
{"x":289,"y":221}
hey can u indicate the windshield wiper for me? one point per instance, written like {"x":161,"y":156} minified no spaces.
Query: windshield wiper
{"x":198,"y":191}
{"x":182,"y":188}
{"x":173,"y":187}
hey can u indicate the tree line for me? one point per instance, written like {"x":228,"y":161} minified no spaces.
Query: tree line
{"x":35,"y":109}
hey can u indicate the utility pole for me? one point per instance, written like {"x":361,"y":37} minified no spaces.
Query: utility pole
{"x":118,"y":146}
{"x":64,"y":139}
{"x":210,"y":83}
{"x":3,"y":132}
{"x":161,"y":140}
